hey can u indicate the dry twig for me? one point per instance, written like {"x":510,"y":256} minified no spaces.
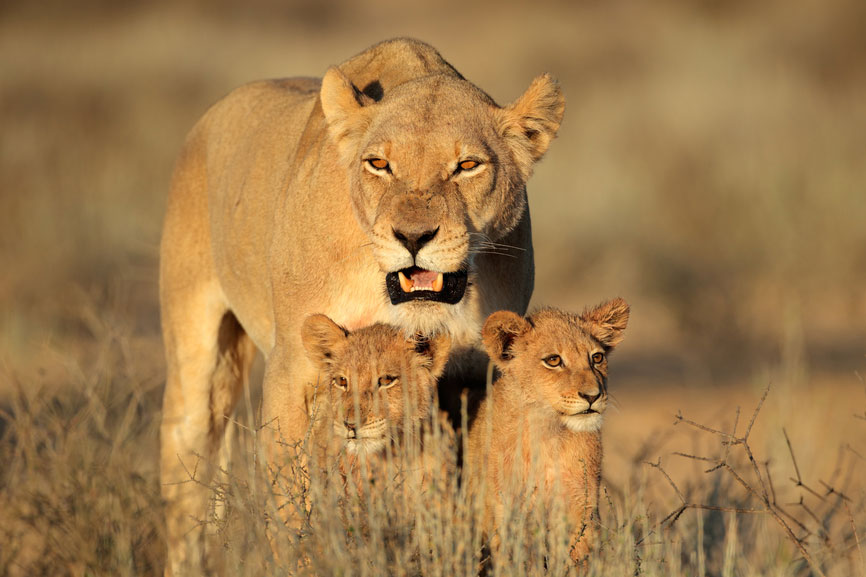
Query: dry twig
{"x":762,"y":490}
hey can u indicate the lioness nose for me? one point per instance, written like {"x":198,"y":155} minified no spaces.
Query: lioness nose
{"x":350,"y":426}
{"x":590,"y":397}
{"x":414,"y":240}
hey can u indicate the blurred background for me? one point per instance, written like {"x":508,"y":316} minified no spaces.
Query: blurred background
{"x":711,"y":169}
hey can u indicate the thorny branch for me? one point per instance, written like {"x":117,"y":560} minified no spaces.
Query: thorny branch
{"x":762,"y":490}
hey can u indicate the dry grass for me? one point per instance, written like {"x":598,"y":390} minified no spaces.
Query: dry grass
{"x":709,"y":170}
{"x":80,"y":495}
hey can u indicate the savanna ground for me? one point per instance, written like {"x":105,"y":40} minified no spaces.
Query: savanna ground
{"x":710,"y":170}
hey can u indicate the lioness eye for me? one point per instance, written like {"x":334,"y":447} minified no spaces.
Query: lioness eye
{"x":378,"y":163}
{"x":552,"y":361}
{"x":468,"y":164}
{"x":597,"y":357}
{"x":340,"y":383}
{"x":387,"y":381}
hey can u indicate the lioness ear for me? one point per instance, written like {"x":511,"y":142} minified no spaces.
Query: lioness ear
{"x":320,"y":335}
{"x":436,"y":350}
{"x":342,"y":105}
{"x":530,"y":122}
{"x":499,"y":332}
{"x":608,"y":321}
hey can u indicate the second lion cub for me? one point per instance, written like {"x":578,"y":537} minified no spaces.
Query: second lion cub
{"x":538,"y":435}
{"x":376,"y":382}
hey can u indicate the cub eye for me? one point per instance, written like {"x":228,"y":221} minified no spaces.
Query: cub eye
{"x":467,"y":165}
{"x":597,"y":357}
{"x":552,"y":361}
{"x":387,"y":381}
{"x":379,"y":164}
{"x":340,"y":382}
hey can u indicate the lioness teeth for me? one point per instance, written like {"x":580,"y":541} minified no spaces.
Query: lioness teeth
{"x":418,"y":284}
{"x":405,"y":283}
{"x":421,"y":280}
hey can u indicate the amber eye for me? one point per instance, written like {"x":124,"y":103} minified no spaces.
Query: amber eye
{"x":552,"y":361}
{"x":340,"y":383}
{"x":387,"y":381}
{"x":597,"y":357}
{"x":378,"y":163}
{"x":466,"y":165}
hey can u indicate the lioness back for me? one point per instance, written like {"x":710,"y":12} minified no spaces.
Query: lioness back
{"x":540,"y":428}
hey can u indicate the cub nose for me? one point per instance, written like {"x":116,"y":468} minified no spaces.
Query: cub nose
{"x":590,"y":397}
{"x":350,"y":427}
{"x":414,"y":240}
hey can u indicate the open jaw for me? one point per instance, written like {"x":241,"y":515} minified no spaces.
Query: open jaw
{"x":418,"y":284}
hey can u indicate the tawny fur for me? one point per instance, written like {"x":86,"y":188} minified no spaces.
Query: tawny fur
{"x":273,"y":214}
{"x":530,"y":437}
{"x":367,"y":381}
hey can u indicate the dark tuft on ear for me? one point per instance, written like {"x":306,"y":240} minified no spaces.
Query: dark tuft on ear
{"x":320,"y":335}
{"x":499,"y":333}
{"x":608,"y":321}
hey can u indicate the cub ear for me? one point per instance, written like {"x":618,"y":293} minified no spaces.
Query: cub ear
{"x":436,"y":349}
{"x":320,"y":335}
{"x":530,"y":122}
{"x":608,"y":321}
{"x":499,"y":332}
{"x":343,"y":107}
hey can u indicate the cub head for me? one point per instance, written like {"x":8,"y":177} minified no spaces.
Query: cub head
{"x":372,"y":376}
{"x":437,"y":172}
{"x":559,"y":359}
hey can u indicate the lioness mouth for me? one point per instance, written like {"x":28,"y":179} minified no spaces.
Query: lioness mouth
{"x":413,"y":284}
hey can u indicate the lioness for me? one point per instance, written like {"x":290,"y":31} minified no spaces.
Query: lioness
{"x":539,"y":432}
{"x":367,"y":380}
{"x":387,"y":191}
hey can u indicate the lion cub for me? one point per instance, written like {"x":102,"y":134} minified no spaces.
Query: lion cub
{"x":539,"y":431}
{"x":371,"y":376}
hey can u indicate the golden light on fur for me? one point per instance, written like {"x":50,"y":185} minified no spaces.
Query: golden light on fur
{"x":237,"y":274}
{"x":539,"y":428}
{"x":386,"y":369}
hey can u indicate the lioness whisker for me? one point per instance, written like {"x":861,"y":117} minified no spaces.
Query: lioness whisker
{"x":486,"y":240}
{"x":492,"y":252}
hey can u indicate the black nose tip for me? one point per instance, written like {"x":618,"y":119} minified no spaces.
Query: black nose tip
{"x":590,"y":398}
{"x":350,"y":426}
{"x":414,"y":241}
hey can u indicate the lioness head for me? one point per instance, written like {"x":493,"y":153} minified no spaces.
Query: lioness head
{"x":372,"y":376}
{"x":437,"y":172}
{"x":559,"y":359}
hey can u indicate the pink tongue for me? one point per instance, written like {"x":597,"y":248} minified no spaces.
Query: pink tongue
{"x":423,"y":278}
